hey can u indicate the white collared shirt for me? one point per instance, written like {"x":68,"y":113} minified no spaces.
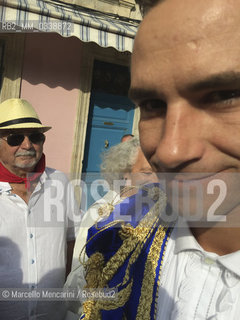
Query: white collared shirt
{"x":196,"y":284}
{"x":33,"y":240}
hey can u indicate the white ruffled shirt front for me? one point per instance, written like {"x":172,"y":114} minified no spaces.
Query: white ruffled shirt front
{"x":196,"y":284}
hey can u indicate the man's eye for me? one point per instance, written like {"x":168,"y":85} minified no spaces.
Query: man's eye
{"x":225,"y":96}
{"x":154,"y":105}
{"x":148,"y":173}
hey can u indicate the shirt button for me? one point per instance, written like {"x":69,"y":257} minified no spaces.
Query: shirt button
{"x":209,"y":261}
{"x":33,"y":261}
{"x":31,"y":235}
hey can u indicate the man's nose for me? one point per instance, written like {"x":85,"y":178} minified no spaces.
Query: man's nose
{"x":26,"y":144}
{"x":181,"y":140}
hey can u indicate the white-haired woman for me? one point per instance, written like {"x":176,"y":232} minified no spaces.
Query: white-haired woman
{"x":123,"y":167}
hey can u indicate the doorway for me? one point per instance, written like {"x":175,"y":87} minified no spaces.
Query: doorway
{"x":111,"y":116}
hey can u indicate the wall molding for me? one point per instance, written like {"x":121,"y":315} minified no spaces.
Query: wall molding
{"x":124,"y":8}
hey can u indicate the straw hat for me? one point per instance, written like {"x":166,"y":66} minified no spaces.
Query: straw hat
{"x":18,"y":114}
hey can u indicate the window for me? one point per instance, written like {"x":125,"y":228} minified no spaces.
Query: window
{"x":11,"y":57}
{"x":110,"y":78}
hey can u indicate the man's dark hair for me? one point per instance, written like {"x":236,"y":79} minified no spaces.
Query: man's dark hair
{"x":146,"y":5}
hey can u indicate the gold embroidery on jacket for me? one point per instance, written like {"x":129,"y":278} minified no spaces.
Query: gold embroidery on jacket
{"x":149,"y":277}
{"x":98,"y":275}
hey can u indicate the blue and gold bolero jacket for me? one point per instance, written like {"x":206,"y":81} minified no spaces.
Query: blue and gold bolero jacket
{"x":125,"y":254}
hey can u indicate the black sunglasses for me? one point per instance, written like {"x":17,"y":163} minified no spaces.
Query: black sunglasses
{"x":15,"y":139}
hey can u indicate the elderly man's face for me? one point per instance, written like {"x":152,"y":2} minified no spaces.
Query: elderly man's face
{"x":142,"y":172}
{"x":21,"y":158}
{"x":186,"y":80}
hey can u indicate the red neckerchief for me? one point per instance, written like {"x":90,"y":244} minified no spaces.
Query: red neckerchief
{"x":7,"y":176}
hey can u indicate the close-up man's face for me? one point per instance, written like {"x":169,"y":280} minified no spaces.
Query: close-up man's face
{"x":185,"y":77}
{"x":23,"y":156}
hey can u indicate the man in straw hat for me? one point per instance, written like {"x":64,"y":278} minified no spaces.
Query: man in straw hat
{"x":35,"y":221}
{"x":185,"y":77}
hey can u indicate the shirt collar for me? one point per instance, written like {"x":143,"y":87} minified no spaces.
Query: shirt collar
{"x":185,"y":241}
{"x":184,"y":238}
{"x":4,"y":187}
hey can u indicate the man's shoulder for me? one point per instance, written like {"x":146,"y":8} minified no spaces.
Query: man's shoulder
{"x":52,"y":173}
{"x":4,"y":186}
{"x":50,"y":170}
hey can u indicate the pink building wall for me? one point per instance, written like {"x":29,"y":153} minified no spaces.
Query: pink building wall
{"x":50,"y":81}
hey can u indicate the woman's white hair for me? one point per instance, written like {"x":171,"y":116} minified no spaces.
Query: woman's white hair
{"x":119,"y":159}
